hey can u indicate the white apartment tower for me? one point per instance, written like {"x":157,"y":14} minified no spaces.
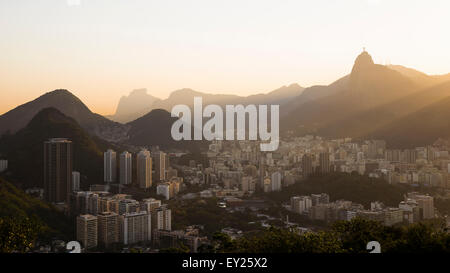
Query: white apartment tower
{"x":135,"y":227}
{"x":125,"y":168}
{"x":144,"y":169}
{"x":109,"y":166}
{"x":163,"y":218}
{"x":87,"y":232}
{"x":160,"y":166}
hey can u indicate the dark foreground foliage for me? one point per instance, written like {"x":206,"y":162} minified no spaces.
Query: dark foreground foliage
{"x":343,"y":237}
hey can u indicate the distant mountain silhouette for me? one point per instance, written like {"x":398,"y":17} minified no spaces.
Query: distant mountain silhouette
{"x":133,"y":106}
{"x":150,"y":130}
{"x":68,"y":104}
{"x":420,"y":128}
{"x":279,"y":96}
{"x":313,"y":93}
{"x":186,"y":96}
{"x":139,"y":103}
{"x":419,"y":77}
{"x":25,"y":151}
{"x":369,"y":85}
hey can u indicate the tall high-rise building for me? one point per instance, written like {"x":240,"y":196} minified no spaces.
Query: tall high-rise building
{"x":87,"y":230}
{"x":276,"y":181}
{"x":75,"y":181}
{"x":110,"y":166}
{"x":125,"y":168}
{"x":144,"y":169}
{"x":166,"y":165}
{"x":160,"y":166}
{"x":108,"y":228}
{"x":307,"y":165}
{"x":162,"y":218}
{"x":135,"y":227}
{"x":324,"y":162}
{"x":58,"y":166}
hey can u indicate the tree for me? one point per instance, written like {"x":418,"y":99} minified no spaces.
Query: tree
{"x":180,"y":249}
{"x":17,"y":234}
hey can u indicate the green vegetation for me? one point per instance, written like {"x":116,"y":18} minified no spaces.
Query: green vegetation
{"x":343,"y":237}
{"x":17,"y":235}
{"x":196,"y":155}
{"x":25,"y":149}
{"x":356,"y":188}
{"x":180,"y":249}
{"x":28,"y":218}
{"x":206,"y":212}
{"x":442,"y":205}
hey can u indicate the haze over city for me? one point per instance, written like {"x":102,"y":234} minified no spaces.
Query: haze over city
{"x":224,"y":127}
{"x":101,"y":50}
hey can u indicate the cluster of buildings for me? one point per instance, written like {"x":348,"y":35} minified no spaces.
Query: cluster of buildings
{"x":151,"y":168}
{"x":416,"y":207}
{"x":234,"y":169}
{"x":239,"y":168}
{"x":105,"y":219}
{"x":429,"y":165}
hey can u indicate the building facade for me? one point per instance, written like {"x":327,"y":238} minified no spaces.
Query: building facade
{"x":58,"y":164}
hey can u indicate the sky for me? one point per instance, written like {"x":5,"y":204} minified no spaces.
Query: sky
{"x":101,"y":50}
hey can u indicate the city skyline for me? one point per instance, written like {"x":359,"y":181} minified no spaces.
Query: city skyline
{"x":202,"y":126}
{"x":169,"y":46}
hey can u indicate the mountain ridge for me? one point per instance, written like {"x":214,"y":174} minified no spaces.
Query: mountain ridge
{"x":368,"y":85}
{"x":186,"y":95}
{"x":24,"y":149}
{"x":70,"y":105}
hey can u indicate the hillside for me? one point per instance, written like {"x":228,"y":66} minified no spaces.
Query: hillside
{"x":369,"y":85}
{"x":186,"y":96}
{"x":24,"y":149}
{"x":419,"y":77}
{"x":18,"y":205}
{"x":420,"y":128}
{"x":313,"y":93}
{"x":69,"y":105}
{"x":155,"y":129}
{"x":367,"y":121}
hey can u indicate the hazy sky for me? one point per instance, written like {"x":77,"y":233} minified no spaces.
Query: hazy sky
{"x":102,"y":49}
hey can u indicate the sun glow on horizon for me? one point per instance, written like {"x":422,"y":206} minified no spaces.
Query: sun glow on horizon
{"x":100,"y":50}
